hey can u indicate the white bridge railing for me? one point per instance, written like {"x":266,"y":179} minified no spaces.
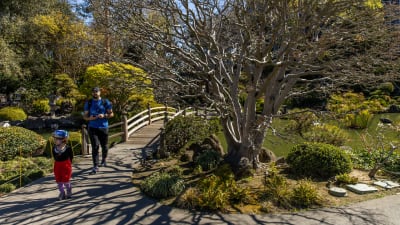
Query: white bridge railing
{"x":142,"y":119}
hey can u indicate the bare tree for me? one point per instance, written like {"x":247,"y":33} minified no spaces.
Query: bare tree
{"x":233,"y":53}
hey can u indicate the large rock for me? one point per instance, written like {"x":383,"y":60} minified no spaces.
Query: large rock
{"x":35,"y":123}
{"x":393,"y":109}
{"x":267,"y":155}
{"x":39,"y":123}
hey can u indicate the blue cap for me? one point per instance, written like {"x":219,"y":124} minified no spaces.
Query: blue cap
{"x":60,"y":134}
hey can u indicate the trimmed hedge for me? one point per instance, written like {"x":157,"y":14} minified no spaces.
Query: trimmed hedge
{"x":318,"y":160}
{"x":15,"y":141}
{"x":12,"y":114}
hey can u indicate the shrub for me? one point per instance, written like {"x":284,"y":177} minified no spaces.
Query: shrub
{"x":386,"y":87}
{"x":190,"y":199}
{"x":40,"y":106}
{"x":353,"y":109}
{"x":12,"y":113}
{"x":300,"y":121}
{"x":358,"y":120}
{"x":162,"y":185}
{"x":276,"y":188}
{"x":325,"y":133}
{"x":16,"y":141}
{"x":224,"y":171}
{"x":175,"y":171}
{"x":318,"y":160}
{"x":208,"y":160}
{"x":7,"y":188}
{"x":185,"y":157}
{"x":345,"y":178}
{"x":213,"y":194}
{"x":29,"y":168}
{"x":182,"y":130}
{"x":36,"y":174}
{"x":366,"y":158}
{"x":66,"y":105}
{"x":216,"y":192}
{"x":74,"y":141}
{"x":304,"y":195}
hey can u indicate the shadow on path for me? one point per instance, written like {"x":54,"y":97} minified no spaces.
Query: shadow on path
{"x":110,"y":197}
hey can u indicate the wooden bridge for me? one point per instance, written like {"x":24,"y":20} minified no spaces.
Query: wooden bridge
{"x":144,"y":127}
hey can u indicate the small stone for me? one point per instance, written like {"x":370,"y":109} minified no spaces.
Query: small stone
{"x":337,"y":191}
{"x":361,"y":188}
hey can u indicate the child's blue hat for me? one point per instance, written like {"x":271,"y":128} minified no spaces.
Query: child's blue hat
{"x":60,"y":134}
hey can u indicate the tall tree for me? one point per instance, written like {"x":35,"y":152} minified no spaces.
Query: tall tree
{"x":224,"y":50}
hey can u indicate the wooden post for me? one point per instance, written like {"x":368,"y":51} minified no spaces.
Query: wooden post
{"x":165,"y":113}
{"x":125,"y":135}
{"x":149,"y":112}
{"x":85,"y":144}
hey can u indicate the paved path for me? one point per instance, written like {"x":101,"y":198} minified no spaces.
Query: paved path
{"x":109,"y":197}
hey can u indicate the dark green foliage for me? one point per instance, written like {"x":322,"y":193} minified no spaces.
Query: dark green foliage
{"x":175,"y":171}
{"x":185,"y":157}
{"x":182,"y":130}
{"x":318,"y":160}
{"x":312,"y":99}
{"x":12,"y":113}
{"x":36,"y":174}
{"x":15,"y":141}
{"x":208,"y":160}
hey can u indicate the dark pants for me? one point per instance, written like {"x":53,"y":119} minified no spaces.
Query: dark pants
{"x":98,"y":136}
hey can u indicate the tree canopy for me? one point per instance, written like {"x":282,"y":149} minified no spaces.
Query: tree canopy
{"x":224,"y":50}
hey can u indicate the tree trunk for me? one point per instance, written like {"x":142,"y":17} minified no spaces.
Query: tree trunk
{"x":243,"y":156}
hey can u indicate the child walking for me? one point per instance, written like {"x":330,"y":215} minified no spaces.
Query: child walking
{"x":63,"y":156}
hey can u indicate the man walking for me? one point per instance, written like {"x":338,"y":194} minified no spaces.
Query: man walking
{"x":97,"y":111}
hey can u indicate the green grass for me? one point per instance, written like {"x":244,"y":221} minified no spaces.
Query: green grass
{"x":282,"y":145}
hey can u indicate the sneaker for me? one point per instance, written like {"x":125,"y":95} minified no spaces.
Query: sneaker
{"x":69,"y":194}
{"x":61,"y":196}
{"x":94,"y":170}
{"x":103,"y":163}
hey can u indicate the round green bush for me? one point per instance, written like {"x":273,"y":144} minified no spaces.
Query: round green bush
{"x":182,"y":130}
{"x":12,"y":114}
{"x":74,"y":141}
{"x":15,"y":141}
{"x":318,"y":160}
